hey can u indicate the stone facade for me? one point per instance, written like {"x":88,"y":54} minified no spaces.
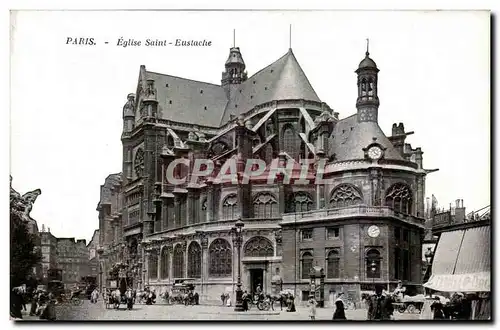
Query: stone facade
{"x":347,"y":226}
{"x":73,"y":260}
{"x":49,"y":253}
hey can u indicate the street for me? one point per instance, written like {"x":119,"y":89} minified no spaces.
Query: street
{"x":89,"y":311}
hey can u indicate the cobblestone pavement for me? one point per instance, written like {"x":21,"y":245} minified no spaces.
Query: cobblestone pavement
{"x":89,"y":311}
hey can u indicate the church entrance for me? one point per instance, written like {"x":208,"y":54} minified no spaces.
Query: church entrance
{"x":256,"y":278}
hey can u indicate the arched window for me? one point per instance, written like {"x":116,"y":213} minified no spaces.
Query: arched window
{"x":373,"y":263}
{"x":399,"y":198}
{"x":153,"y":264}
{"x":258,"y":247}
{"x":178,"y":261}
{"x":230,"y":207}
{"x":265,"y":206}
{"x":306,"y":264}
{"x":333,"y":264}
{"x":289,"y":141}
{"x":300,"y":202}
{"x":194,"y":260}
{"x":268,"y":153}
{"x":345,"y":195}
{"x":164,"y":263}
{"x":220,"y":258}
{"x":139,"y":162}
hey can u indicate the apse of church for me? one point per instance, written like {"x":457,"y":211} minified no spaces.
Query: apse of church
{"x":363,"y":224}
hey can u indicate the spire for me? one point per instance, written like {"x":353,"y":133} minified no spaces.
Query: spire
{"x":290,"y":40}
{"x":235,"y":66}
{"x":367,"y":102}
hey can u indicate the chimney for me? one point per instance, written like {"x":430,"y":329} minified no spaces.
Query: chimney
{"x":43,"y":228}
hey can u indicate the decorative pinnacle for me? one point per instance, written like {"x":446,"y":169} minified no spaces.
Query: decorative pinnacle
{"x":367,"y":47}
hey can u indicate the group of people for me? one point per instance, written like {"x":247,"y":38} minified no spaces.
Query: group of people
{"x":380,"y":306}
{"x":42,"y":303}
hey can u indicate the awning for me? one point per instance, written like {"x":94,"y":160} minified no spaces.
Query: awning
{"x":476,"y":282}
{"x":462,"y":261}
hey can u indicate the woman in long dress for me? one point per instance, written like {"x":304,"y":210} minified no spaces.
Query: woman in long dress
{"x":339,"y":313}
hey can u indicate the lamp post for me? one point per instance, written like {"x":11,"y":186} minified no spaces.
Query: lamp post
{"x":373,"y":266}
{"x":238,"y":240}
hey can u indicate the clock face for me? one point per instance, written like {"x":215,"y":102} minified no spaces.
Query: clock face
{"x":375,"y":152}
{"x":373,"y":231}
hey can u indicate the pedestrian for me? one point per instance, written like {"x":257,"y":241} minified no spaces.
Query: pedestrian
{"x":437,"y":309}
{"x":223,"y":299}
{"x":312,"y":307}
{"x":15,"y":304}
{"x":244,"y":297}
{"x":49,"y":312}
{"x":380,"y":306}
{"x":228,"y":301}
{"x":339,"y":313}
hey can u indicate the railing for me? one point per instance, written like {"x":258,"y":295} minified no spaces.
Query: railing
{"x":357,"y":210}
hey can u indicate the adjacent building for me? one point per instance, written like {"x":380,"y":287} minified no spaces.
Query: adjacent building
{"x":93,"y":256}
{"x":73,"y":260}
{"x":49,"y":253}
{"x":365,"y":226}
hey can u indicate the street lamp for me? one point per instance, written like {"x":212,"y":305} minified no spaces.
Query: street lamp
{"x":373,"y":266}
{"x":238,"y":240}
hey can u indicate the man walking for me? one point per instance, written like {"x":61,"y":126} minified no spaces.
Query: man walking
{"x":380,"y":306}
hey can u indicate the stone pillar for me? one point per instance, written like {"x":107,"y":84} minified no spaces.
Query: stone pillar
{"x":170,"y":262}
{"x":279,"y":242}
{"x":184,"y":248}
{"x":177,"y":211}
{"x":210,"y":201}
{"x":159,"y":264}
{"x":189,"y":208}
{"x":419,"y":205}
{"x":375,"y":177}
{"x":204,"y":259}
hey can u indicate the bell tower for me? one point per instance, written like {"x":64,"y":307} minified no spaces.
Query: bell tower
{"x":367,"y":102}
{"x":235,"y":68}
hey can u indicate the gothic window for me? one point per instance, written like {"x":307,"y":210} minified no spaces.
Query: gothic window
{"x":139,"y":162}
{"x":399,"y":198}
{"x":220,"y":258}
{"x":289,"y":140}
{"x":333,"y":264}
{"x":268,"y":153}
{"x":230,"y":207}
{"x":164,"y":263}
{"x":194,"y":260}
{"x":178,"y":261}
{"x":306,"y":265}
{"x":265,"y":206}
{"x":373,"y":263}
{"x":259,"y":247}
{"x":300,"y":202}
{"x":153,"y":264}
{"x":345,"y":195}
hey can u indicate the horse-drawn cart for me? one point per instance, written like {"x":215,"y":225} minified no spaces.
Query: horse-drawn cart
{"x":118,"y":292}
{"x":410,"y":304}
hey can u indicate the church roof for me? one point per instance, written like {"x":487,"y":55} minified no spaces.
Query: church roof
{"x":367,"y":62}
{"x":188,"y":101}
{"x":349,"y":137}
{"x":283,"y":79}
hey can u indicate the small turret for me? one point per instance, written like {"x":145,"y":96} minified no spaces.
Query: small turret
{"x":367,"y":102}
{"x":129,"y":113}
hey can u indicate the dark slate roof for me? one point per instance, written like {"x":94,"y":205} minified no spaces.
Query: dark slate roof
{"x":189,"y":99}
{"x":349,"y":137}
{"x":283,"y":79}
{"x":367,"y":62}
{"x":235,"y":56}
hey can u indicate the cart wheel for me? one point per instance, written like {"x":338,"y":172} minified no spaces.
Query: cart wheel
{"x":401,"y":309}
{"x":411,"y":308}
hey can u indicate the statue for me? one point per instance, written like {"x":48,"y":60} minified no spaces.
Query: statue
{"x":30,"y":198}
{"x":22,"y":205}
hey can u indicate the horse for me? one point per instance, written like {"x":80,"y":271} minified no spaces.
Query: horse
{"x":281,"y":298}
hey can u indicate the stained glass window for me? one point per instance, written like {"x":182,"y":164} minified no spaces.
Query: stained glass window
{"x":178,"y":261}
{"x":300,"y":202}
{"x":345,"y":195}
{"x":399,"y":198}
{"x":259,"y":247}
{"x":194,"y":260}
{"x":220,"y":258}
{"x":289,"y":141}
{"x":265,"y":206}
{"x":164,"y":263}
{"x":229,"y":207}
{"x":333,"y":264}
{"x":306,"y":265}
{"x":153,"y":264}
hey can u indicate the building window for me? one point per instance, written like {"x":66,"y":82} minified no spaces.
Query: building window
{"x":289,"y":141}
{"x":178,"y":261}
{"x":194,"y":260}
{"x":397,"y":263}
{"x":139,"y":162}
{"x":153,"y":265}
{"x":268,"y":153}
{"x":229,"y":207}
{"x":345,"y":195}
{"x":258,"y":247}
{"x":265,"y":206}
{"x":306,"y":234}
{"x":220,"y":258}
{"x":373,"y":264}
{"x":306,"y":265}
{"x":164,"y":263}
{"x":399,"y":198}
{"x":333,"y":233}
{"x":333,"y":264}
{"x":300,"y":202}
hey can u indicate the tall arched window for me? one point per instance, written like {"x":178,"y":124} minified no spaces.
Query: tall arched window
{"x":300,"y":202}
{"x":268,"y":153}
{"x":164,"y":263}
{"x":333,"y":264}
{"x":220,"y":258}
{"x":373,"y":263}
{"x":258,"y":247}
{"x":153,"y":264}
{"x":289,"y":141}
{"x":399,"y":198}
{"x":230,"y":207}
{"x":265,"y":206}
{"x":306,"y":264}
{"x":345,"y":195}
{"x":178,"y":261}
{"x":194,"y":260}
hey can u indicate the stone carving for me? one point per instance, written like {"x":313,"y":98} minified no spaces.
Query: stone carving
{"x":278,"y":236}
{"x":399,"y":197}
{"x":265,"y":198}
{"x":22,"y":205}
{"x":204,"y":205}
{"x":204,"y":240}
{"x":259,"y":247}
{"x":192,"y":136}
{"x":150,"y":91}
{"x":130,"y":105}
{"x":324,"y":117}
{"x":139,"y":162}
{"x":345,"y":195}
{"x":300,"y":202}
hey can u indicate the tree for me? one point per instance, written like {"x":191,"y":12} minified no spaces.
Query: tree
{"x":23,"y":255}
